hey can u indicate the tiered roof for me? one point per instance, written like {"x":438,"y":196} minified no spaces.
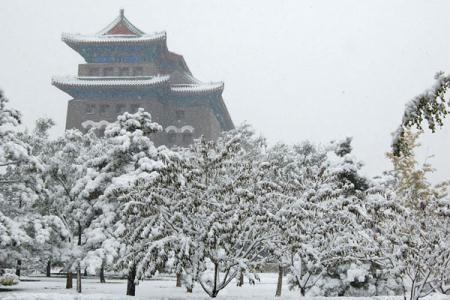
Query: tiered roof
{"x":176,"y":77}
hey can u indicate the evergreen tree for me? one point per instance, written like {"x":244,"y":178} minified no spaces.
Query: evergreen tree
{"x":129,"y":161}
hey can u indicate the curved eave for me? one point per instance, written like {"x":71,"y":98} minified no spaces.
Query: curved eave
{"x":78,"y":40}
{"x":72,"y":84}
{"x":197,"y":89}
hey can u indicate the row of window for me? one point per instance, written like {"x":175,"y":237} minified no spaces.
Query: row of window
{"x":121,"y":108}
{"x":118,"y":58}
{"x":116,"y":71}
{"x":106,"y":108}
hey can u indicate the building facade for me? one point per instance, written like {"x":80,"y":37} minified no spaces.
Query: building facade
{"x":127,"y":69}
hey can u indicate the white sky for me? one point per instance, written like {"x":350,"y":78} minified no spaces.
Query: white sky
{"x":295,"y":70}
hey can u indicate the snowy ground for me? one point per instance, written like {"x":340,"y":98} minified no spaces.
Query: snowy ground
{"x":42,"y":288}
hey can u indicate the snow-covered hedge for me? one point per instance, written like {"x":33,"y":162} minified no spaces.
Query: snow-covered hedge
{"x":9,"y":279}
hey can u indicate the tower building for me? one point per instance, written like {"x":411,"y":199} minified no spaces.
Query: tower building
{"x":127,"y":69}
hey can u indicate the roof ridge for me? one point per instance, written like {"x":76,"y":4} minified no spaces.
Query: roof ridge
{"x":121,"y":19}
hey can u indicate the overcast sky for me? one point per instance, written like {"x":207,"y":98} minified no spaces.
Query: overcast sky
{"x":295,"y":70}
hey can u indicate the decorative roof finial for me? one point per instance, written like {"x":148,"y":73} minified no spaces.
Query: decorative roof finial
{"x":122,"y":12}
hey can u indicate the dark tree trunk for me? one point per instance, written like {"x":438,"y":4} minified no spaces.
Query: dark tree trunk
{"x":178,"y":280}
{"x":19,"y":265}
{"x":69,"y":280}
{"x":79,"y":233}
{"x":214,"y":290}
{"x":85,"y":272}
{"x":376,"y":285}
{"x":241,"y":279}
{"x":79,"y":278}
{"x":49,"y":268}
{"x":189,"y":289}
{"x":131,"y":286}
{"x":102,"y":273}
{"x":79,"y":267}
{"x":216,"y":278}
{"x":280,"y":281}
{"x":302,"y":291}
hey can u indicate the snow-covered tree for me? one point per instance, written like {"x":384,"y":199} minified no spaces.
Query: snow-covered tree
{"x":12,"y":152}
{"x":223,"y":223}
{"x":421,"y":250}
{"x":129,"y":160}
{"x":319,"y":211}
{"x":212,"y":222}
{"x":40,"y":201}
{"x":65,"y":166}
{"x":431,"y":106}
{"x":14,"y":155}
{"x":48,"y":198}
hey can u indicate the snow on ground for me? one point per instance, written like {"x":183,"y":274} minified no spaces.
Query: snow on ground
{"x":160,"y":288}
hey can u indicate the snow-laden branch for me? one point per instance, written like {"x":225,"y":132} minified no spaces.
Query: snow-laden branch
{"x":430,"y":106}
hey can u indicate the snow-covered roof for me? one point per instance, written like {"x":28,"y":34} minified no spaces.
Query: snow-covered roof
{"x":199,"y":88}
{"x":119,"y":31}
{"x":70,"y":38}
{"x":177,"y":77}
{"x":75,"y":81}
{"x":139,"y":81}
{"x":122,"y":22}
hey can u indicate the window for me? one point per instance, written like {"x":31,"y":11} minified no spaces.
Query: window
{"x":120,"y":108}
{"x":124,"y":71}
{"x":130,"y":58}
{"x":172,"y":137}
{"x":108,"y":71}
{"x":134,"y":108}
{"x":94,"y":71}
{"x":90,"y":109}
{"x":180,"y":114}
{"x":138,"y":71}
{"x":187,"y":137}
{"x":101,"y":131}
{"x":103,"y":108}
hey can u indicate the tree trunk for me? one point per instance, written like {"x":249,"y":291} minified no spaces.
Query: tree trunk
{"x":280,"y":281}
{"x":216,"y":279}
{"x":79,"y":267}
{"x":376,"y":285}
{"x":241,"y":279}
{"x":102,"y":273}
{"x":131,"y":286}
{"x":69,"y":280}
{"x":79,"y":233}
{"x":189,"y":289}
{"x":302,"y":291}
{"x":19,"y":264}
{"x":178,"y":279}
{"x":79,"y":278}
{"x":85,"y":272}
{"x":49,"y":268}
